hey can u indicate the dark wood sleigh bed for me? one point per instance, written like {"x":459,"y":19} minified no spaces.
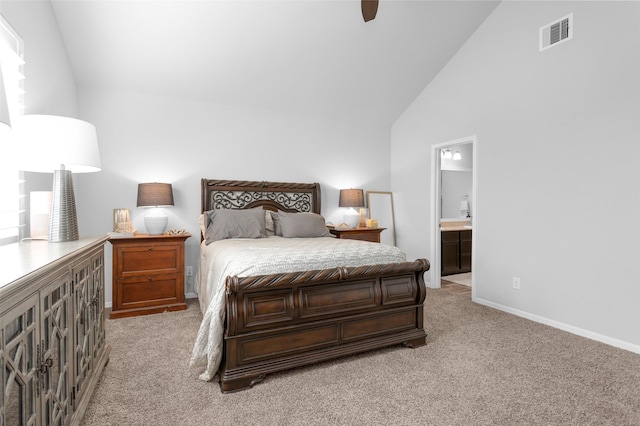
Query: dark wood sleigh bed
{"x":280,"y":321}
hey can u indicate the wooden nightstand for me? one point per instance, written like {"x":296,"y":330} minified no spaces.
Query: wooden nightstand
{"x":363,"y":234}
{"x":148,"y":274}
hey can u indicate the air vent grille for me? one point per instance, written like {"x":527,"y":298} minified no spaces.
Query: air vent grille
{"x":556,"y":32}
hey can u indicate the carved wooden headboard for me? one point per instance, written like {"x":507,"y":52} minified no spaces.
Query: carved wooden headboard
{"x":240,"y":194}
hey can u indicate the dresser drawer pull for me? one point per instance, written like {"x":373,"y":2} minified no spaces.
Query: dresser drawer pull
{"x":45,"y":365}
{"x":150,"y":248}
{"x":149,"y":279}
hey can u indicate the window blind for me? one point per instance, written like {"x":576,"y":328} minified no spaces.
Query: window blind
{"x":12,"y":212}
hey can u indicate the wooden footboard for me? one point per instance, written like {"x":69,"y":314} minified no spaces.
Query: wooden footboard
{"x":276,"y":322}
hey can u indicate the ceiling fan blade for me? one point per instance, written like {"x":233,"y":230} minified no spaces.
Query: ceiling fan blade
{"x":369,"y":9}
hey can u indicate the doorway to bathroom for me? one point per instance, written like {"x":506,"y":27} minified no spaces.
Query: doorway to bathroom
{"x":453,"y":209}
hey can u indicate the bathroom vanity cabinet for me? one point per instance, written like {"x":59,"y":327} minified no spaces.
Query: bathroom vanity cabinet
{"x":455,"y":251}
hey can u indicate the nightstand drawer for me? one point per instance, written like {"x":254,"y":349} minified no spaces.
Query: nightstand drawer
{"x":148,"y":258}
{"x":374,"y":238}
{"x":362,"y":234}
{"x":138,"y":292}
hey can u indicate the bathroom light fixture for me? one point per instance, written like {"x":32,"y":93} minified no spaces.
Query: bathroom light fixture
{"x":446,"y":154}
{"x":457,"y":156}
{"x":155,"y":195}
{"x":58,"y":145}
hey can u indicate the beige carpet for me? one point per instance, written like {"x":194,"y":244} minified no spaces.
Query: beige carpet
{"x":480,"y":367}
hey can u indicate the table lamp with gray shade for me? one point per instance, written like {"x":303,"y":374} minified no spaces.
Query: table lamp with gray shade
{"x":62,"y":146}
{"x":155,"y":195}
{"x":353,"y":198}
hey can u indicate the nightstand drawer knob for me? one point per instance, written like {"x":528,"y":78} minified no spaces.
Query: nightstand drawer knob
{"x":149,"y":279}
{"x":150,"y":248}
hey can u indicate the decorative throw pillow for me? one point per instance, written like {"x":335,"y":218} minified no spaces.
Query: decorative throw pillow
{"x":269,"y":225}
{"x":302,"y":225}
{"x":203,"y":227}
{"x":230,"y":223}
{"x":276,"y":224}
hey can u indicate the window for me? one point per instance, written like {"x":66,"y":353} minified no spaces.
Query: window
{"x":12,"y":214}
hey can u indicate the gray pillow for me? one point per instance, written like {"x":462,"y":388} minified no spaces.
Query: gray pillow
{"x":276,"y":224}
{"x":301,"y":225}
{"x":230,"y":223}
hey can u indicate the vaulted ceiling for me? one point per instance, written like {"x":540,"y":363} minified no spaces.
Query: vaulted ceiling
{"x":313,"y":57}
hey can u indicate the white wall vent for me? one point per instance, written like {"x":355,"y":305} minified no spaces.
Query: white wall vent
{"x":556,"y":32}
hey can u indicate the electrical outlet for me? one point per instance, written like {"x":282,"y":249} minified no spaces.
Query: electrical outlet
{"x":516,"y":283}
{"x":189,"y":271}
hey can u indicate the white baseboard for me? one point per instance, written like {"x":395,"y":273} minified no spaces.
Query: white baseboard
{"x":562,"y":326}
{"x":428,"y":285}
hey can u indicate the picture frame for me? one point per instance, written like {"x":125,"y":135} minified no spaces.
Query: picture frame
{"x":380,"y":205}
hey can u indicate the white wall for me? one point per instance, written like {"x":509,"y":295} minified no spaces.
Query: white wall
{"x":146,"y":138}
{"x":49,"y":84}
{"x":149,"y":138}
{"x":557,"y":164}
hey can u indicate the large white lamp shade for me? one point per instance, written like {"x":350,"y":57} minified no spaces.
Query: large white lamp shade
{"x":46,"y":142}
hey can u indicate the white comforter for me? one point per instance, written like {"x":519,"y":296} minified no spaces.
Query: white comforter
{"x":271,"y":255}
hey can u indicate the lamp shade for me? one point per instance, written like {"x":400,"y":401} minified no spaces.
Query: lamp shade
{"x":5,"y":118}
{"x":351,"y":198}
{"x":45,"y":142}
{"x":155,"y":194}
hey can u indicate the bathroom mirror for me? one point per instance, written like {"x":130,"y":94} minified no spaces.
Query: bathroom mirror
{"x":380,"y":206}
{"x":455,"y":186}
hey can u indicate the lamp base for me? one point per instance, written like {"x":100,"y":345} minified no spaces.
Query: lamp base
{"x":351,"y":219}
{"x":63,"y":221}
{"x":155,"y":223}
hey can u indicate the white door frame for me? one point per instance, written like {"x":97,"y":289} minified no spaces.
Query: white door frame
{"x":436,"y":200}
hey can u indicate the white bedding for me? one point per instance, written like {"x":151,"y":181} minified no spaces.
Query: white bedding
{"x":271,"y":255}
